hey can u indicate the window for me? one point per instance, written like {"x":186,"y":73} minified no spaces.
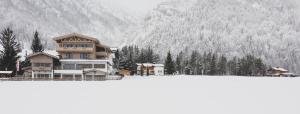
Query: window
{"x":83,"y":66}
{"x":84,"y":56}
{"x":69,"y":56}
{"x":69,"y":66}
{"x":41,"y":65}
{"x":99,"y":65}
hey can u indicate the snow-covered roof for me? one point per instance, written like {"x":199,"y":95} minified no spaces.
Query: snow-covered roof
{"x":279,"y":69}
{"x":6,"y":72}
{"x":77,"y":35}
{"x":47,"y":53}
{"x":52,"y":52}
{"x":150,"y":64}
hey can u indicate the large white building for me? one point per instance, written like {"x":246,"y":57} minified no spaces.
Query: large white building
{"x":78,"y":57}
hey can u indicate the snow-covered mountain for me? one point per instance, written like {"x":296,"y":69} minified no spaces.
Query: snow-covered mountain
{"x":57,"y":17}
{"x":266,"y":28}
{"x":269,"y":29}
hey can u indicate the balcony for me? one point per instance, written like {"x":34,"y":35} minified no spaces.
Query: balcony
{"x":101,"y":54}
{"x":86,"y":50}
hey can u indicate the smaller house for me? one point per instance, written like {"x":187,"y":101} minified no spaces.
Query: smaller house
{"x":42,"y":65}
{"x":150,"y":69}
{"x":277,"y":71}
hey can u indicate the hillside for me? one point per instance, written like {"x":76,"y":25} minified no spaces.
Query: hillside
{"x":266,"y":28}
{"x":57,"y":17}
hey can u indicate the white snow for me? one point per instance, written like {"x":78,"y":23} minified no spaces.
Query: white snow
{"x":154,"y":95}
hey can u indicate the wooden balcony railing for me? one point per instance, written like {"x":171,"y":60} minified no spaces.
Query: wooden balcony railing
{"x":62,"y":49}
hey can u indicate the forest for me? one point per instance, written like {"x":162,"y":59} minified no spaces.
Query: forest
{"x":197,"y":63}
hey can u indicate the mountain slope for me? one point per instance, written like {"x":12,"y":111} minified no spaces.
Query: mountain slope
{"x":266,"y":28}
{"x":56,"y":17}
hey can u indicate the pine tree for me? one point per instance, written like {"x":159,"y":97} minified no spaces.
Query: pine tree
{"x":178,"y":62}
{"x":232,"y":66}
{"x":222,"y":65}
{"x":169,"y":64}
{"x":193,"y":62}
{"x":116,"y":60}
{"x":26,"y":62}
{"x":36,"y":45}
{"x":213,"y":65}
{"x":11,"y":48}
{"x":149,"y":55}
{"x":142,"y":58}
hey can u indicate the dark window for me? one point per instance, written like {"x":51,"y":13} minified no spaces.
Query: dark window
{"x":84,"y":56}
{"x":99,"y":65}
{"x":69,"y":66}
{"x":69,"y":56}
{"x":83,"y":66}
{"x":41,"y":65}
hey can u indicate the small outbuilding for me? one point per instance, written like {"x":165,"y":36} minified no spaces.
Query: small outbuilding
{"x":280,"y":72}
{"x":150,"y":69}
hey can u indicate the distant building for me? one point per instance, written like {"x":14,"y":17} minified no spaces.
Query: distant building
{"x":150,"y":69}
{"x":280,"y":72}
{"x":78,"y":57}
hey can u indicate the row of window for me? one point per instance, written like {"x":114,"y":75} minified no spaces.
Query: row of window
{"x":82,"y":66}
{"x":42,"y":65}
{"x":82,"y":56}
{"x":77,"y":45}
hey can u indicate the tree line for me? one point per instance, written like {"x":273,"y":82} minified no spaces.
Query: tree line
{"x":214,"y":64}
{"x":207,"y":63}
{"x":9,"y":55}
{"x":129,"y":56}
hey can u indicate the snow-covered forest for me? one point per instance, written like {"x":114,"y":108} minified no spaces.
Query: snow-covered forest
{"x":267,"y":29}
{"x":197,"y":64}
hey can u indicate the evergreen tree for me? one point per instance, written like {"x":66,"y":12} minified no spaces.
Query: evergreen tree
{"x":169,"y":64}
{"x":26,"y":62}
{"x":36,"y":45}
{"x":213,"y":65}
{"x":149,"y":55}
{"x":11,"y":48}
{"x":222,"y":65}
{"x":232,"y":66}
{"x":116,"y":60}
{"x":142,"y":58}
{"x":179,"y":66}
{"x":193,"y":62}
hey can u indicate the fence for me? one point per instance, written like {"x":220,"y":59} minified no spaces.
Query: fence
{"x":63,"y":79}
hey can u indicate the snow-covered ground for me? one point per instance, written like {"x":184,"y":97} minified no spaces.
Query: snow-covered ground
{"x":154,"y":95}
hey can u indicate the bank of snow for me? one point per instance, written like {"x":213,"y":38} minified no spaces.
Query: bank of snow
{"x":154,"y":95}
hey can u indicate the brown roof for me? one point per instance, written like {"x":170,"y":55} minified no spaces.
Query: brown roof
{"x":42,"y":53}
{"x":76,"y":34}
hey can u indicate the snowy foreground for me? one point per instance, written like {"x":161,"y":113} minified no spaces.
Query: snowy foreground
{"x":154,"y":95}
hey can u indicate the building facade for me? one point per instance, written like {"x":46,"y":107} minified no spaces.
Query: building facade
{"x":80,"y":57}
{"x":42,"y":65}
{"x":150,"y":69}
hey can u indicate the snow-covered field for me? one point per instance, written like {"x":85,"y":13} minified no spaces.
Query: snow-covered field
{"x":154,"y":95}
